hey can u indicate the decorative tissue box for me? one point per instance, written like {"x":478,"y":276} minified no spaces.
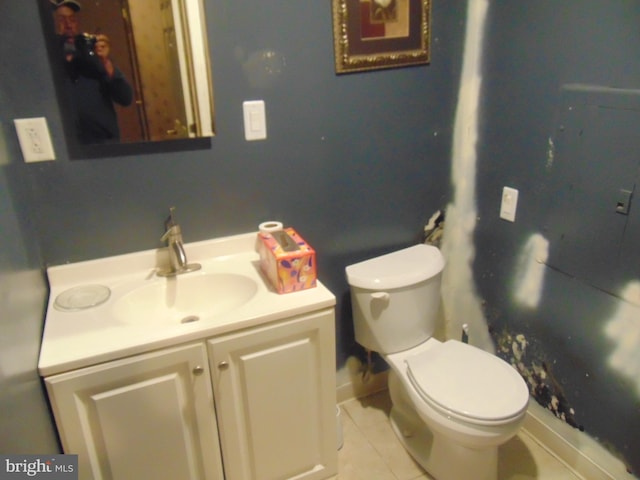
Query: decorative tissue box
{"x":287,"y":260}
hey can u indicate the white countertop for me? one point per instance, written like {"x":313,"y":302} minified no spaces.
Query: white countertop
{"x":76,"y":339}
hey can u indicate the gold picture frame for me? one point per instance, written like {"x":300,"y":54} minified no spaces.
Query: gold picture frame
{"x":376,"y":34}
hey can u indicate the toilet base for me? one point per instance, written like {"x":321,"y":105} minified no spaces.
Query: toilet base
{"x":439,"y":456}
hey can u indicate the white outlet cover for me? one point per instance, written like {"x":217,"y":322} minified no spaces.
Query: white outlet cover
{"x":255,"y":120}
{"x":34,"y":138}
{"x":509,"y":204}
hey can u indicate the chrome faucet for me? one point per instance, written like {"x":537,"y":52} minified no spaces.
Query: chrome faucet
{"x":177,"y":257}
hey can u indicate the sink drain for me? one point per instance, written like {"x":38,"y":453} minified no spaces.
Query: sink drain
{"x":190,"y":318}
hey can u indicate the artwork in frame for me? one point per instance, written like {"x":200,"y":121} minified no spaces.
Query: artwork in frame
{"x":375,"y":34}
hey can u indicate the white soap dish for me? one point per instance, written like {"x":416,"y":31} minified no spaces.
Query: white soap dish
{"x":82,"y":297}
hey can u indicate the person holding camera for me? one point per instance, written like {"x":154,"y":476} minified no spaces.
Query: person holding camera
{"x":94,"y":83}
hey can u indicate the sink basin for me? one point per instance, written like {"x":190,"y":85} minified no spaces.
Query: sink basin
{"x":185,"y":298}
{"x":144,"y":312}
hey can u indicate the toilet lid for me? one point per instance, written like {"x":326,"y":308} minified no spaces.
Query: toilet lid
{"x":398,"y":269}
{"x":468,"y":381}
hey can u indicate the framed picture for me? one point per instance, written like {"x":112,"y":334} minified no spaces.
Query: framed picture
{"x":374,"y":34}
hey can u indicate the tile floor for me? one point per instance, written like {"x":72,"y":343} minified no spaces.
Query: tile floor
{"x":371,"y":450}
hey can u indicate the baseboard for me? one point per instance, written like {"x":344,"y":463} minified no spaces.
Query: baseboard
{"x":574,"y":448}
{"x":351,"y":382}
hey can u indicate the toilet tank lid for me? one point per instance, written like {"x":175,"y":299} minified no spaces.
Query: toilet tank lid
{"x":397,"y":269}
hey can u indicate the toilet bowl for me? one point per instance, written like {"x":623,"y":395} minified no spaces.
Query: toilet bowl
{"x":452,"y":404}
{"x":462,"y":400}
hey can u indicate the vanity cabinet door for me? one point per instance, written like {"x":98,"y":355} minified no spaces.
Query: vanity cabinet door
{"x":275,"y":393}
{"x":148,"y":416}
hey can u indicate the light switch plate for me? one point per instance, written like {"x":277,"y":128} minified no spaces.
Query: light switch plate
{"x":509,"y":204}
{"x":255,"y":121}
{"x":34,"y":138}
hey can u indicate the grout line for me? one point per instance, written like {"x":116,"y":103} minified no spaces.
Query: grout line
{"x":366,"y":437}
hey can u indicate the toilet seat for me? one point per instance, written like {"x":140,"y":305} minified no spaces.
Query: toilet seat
{"x":468,"y":383}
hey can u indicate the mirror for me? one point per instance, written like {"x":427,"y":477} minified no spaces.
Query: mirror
{"x":131,"y":71}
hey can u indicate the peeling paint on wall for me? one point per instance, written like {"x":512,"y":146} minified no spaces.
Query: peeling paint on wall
{"x":529,"y":271}
{"x":461,"y":302}
{"x":624,"y":330}
{"x":551,"y":152}
{"x":434,"y":229}
{"x":537,"y":372}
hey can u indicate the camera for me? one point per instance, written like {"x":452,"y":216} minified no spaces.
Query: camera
{"x":85,"y":43}
{"x":80,"y":55}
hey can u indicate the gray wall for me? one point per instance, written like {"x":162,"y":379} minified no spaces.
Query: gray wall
{"x":355,"y":163}
{"x":533,"y":49}
{"x":25,"y":425}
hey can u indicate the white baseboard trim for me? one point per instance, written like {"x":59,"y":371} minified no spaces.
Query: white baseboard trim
{"x":352,"y":383}
{"x":574,"y":448}
{"x":350,"y":390}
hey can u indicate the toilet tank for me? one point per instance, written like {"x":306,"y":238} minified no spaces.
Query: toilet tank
{"x":396,"y":298}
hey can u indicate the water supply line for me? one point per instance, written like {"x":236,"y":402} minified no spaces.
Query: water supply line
{"x":367,"y":370}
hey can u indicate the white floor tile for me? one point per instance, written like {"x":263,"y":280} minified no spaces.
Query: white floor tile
{"x":371,"y":450}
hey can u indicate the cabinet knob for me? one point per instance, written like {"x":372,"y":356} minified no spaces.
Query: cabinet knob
{"x":223,"y":365}
{"x":198,"y":370}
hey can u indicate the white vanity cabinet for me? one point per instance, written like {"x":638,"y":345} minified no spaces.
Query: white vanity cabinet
{"x":167,"y":377}
{"x":261,"y":398}
{"x":275,"y":397}
{"x":147,"y":416}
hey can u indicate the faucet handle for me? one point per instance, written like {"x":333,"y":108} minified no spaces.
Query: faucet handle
{"x":170,"y":221}
{"x":170,"y":226}
{"x":172,"y":231}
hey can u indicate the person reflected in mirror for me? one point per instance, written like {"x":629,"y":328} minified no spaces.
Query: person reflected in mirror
{"x":92,"y":81}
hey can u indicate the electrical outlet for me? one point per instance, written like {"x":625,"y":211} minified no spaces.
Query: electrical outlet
{"x":34,"y":138}
{"x":509,"y":204}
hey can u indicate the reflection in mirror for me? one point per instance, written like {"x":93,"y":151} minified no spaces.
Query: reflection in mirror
{"x":133,"y":70}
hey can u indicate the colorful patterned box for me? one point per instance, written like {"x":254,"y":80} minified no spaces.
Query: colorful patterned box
{"x":287,"y":260}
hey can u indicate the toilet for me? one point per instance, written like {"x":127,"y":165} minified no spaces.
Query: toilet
{"x":452,"y":404}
